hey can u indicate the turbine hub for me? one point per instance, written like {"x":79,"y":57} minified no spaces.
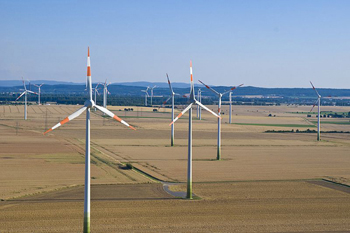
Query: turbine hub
{"x":89,"y":103}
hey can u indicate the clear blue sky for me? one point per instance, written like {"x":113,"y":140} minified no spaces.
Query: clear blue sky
{"x":258,"y":43}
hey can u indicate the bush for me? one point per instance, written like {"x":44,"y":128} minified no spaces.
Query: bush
{"x":129,"y":166}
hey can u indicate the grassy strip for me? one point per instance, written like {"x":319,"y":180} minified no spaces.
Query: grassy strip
{"x":249,"y":181}
{"x":322,"y":112}
{"x":305,"y":131}
{"x":278,"y":125}
{"x":334,"y":122}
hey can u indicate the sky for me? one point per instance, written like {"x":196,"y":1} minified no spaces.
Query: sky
{"x":255,"y":42}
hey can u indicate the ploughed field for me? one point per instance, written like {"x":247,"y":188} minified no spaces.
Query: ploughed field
{"x":261,"y":183}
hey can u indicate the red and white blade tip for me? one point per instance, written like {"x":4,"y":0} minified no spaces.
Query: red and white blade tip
{"x":88,"y":51}
{"x":48,"y":131}
{"x":312,"y":85}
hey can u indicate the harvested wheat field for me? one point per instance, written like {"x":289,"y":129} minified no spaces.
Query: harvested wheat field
{"x":265,"y":182}
{"x":223,"y":207}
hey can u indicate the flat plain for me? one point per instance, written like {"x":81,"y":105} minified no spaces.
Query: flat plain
{"x":264,"y":182}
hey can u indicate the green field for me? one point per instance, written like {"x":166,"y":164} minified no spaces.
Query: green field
{"x":334,"y":122}
{"x":322,"y":112}
{"x":279,"y":125}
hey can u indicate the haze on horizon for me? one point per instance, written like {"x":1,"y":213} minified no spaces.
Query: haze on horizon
{"x":258,"y":43}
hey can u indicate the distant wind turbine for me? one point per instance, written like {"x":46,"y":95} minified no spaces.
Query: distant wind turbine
{"x":230,"y":115}
{"x":172,"y":110}
{"x":39,"y":88}
{"x":146,"y":95}
{"x":218,"y":156}
{"x":199,"y":110}
{"x":105,"y":93}
{"x":318,"y":102}
{"x":95,"y":89}
{"x":189,"y":108}
{"x":25,"y":98}
{"x":89,"y":103}
{"x":152,"y":94}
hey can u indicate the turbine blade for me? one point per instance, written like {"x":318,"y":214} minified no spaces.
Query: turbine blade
{"x":233,"y":88}
{"x":171,"y":89}
{"x":21,"y":95}
{"x":32,"y":92}
{"x":191,"y":73}
{"x":192,"y":97}
{"x":24,"y":84}
{"x":209,"y":88}
{"x":206,"y":108}
{"x":165,"y":102}
{"x":69,"y":118}
{"x":111,"y":114}
{"x":313,"y":87}
{"x":314,"y":105}
{"x":183,"y":112}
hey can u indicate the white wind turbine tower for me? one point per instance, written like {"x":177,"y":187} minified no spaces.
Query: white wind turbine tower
{"x":39,"y":88}
{"x":105,"y":93}
{"x":89,"y":103}
{"x":199,"y":110}
{"x":152,"y":94}
{"x":25,"y":98}
{"x":146,"y":95}
{"x":218,"y":156}
{"x":318,"y":101}
{"x":189,"y":108}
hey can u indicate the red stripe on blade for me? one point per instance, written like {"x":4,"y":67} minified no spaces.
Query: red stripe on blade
{"x":65,"y":120}
{"x":117,"y":118}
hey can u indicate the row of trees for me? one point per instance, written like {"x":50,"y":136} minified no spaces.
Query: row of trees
{"x":129,"y":100}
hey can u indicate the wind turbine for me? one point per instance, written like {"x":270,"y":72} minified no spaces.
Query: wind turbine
{"x":146,"y":95}
{"x":105,"y":92}
{"x":152,"y":94}
{"x":172,"y":109}
{"x":318,"y":102}
{"x":189,"y":108}
{"x":89,"y":103}
{"x":25,"y":98}
{"x":39,"y":88}
{"x":218,"y":156}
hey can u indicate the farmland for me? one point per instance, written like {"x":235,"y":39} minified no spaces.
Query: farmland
{"x":265,"y":181}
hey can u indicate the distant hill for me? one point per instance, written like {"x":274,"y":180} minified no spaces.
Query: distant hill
{"x":14,"y":83}
{"x":151,"y":84}
{"x":134,"y":89}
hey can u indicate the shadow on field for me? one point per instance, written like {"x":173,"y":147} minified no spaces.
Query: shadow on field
{"x":108,"y":192}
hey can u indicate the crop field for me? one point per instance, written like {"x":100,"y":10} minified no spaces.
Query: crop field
{"x":267,"y":182}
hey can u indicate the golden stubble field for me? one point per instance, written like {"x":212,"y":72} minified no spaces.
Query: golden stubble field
{"x":32,"y":164}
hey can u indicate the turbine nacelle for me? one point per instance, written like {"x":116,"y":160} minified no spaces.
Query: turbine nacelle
{"x":89,"y":103}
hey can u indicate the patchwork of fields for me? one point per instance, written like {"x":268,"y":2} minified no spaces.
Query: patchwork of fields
{"x":262,"y":183}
